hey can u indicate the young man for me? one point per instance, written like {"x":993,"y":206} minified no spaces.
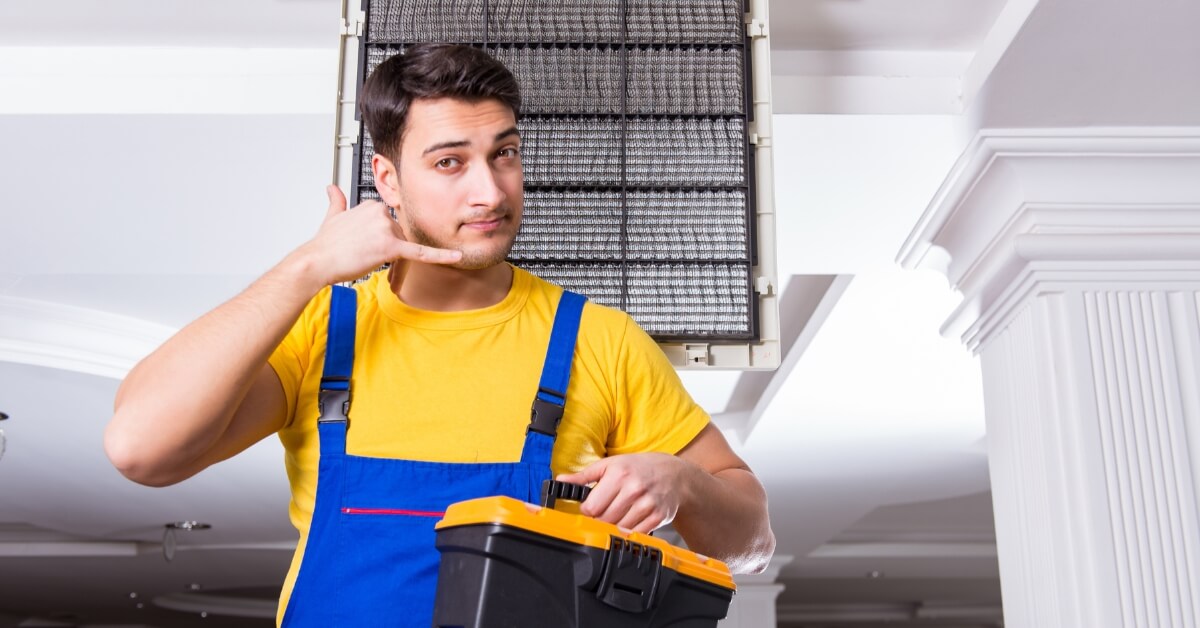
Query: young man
{"x":414,"y":389}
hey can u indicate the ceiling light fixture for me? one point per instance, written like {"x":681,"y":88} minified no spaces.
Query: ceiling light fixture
{"x":169,"y":541}
{"x":3,"y":439}
{"x":187,"y":525}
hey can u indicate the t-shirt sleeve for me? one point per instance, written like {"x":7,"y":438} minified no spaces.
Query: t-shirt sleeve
{"x":654,"y":412}
{"x":291,"y":358}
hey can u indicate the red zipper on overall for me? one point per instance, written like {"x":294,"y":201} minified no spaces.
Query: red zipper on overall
{"x":391,"y":511}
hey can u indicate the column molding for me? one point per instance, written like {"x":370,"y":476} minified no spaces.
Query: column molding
{"x":1023,"y":211}
{"x":1077,"y":253}
{"x":753,"y":605}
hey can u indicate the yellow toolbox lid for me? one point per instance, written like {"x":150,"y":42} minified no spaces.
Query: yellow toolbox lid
{"x":582,"y":531}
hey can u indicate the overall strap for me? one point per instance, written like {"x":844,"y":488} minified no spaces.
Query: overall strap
{"x":551,"y":396}
{"x":333,"y":399}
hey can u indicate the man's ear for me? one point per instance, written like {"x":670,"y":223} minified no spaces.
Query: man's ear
{"x":387,"y":180}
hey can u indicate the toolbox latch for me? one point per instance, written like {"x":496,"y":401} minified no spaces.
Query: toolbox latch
{"x":629,"y":578}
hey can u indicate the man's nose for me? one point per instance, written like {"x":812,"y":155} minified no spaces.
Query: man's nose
{"x":485,"y":188}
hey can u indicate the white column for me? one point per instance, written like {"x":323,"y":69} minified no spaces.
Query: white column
{"x":1077,"y":253}
{"x":754,"y":604}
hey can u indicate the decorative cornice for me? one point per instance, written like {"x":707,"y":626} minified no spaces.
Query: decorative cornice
{"x":1025,"y":207}
{"x":74,"y":339}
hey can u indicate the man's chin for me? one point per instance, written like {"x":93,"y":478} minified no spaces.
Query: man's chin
{"x":480,"y":261}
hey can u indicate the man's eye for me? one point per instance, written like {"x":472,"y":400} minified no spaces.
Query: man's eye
{"x":508,"y":153}
{"x":447,"y":162}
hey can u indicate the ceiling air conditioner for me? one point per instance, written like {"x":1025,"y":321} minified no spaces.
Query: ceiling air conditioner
{"x":646,"y":147}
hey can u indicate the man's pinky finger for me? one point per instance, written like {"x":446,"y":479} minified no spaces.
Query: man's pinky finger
{"x":422,"y":253}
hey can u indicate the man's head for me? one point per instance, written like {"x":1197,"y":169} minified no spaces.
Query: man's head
{"x":430,"y":72}
{"x":447,"y":152}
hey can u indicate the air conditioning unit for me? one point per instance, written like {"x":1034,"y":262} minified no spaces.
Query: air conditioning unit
{"x":646,"y":147}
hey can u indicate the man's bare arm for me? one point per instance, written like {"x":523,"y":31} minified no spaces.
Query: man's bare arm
{"x":717,"y":504}
{"x":724,"y":509}
{"x":208,"y":393}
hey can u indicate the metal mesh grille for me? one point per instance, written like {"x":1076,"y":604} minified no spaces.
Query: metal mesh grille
{"x":537,"y":21}
{"x":558,"y":21}
{"x":566,"y":151}
{"x":566,"y":80}
{"x":634,"y":147}
{"x":570,"y":225}
{"x":603,"y":283}
{"x":687,"y":300}
{"x":421,"y":20}
{"x":686,"y":225}
{"x":684,"y":21}
{"x":692,"y":152}
{"x":685,"y":81}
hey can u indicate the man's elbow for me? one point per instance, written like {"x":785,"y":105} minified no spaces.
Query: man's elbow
{"x":133,"y":459}
{"x":757,"y":557}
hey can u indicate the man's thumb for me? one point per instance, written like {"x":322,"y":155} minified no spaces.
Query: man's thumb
{"x":592,"y":473}
{"x":337,"y":201}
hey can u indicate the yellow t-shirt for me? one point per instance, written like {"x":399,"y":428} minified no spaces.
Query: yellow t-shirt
{"x":457,"y":386}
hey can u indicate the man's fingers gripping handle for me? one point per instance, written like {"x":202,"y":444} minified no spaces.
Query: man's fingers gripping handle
{"x":599,"y":497}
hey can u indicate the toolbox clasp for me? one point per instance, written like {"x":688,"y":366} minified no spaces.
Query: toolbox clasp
{"x":630,"y":576}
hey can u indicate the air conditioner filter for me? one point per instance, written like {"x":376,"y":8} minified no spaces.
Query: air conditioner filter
{"x":638,"y":169}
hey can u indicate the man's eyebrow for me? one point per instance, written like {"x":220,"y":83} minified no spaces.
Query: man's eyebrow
{"x":460,"y":143}
{"x":444,"y":145}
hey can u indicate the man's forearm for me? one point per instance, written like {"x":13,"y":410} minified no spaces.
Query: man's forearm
{"x":206,"y":393}
{"x":178,"y":401}
{"x":724,"y":515}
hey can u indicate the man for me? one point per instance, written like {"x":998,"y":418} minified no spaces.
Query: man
{"x":413,"y":390}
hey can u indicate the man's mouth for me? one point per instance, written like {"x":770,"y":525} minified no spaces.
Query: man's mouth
{"x":485,"y":225}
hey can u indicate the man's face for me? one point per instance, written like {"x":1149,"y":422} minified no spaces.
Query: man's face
{"x":458,"y":183}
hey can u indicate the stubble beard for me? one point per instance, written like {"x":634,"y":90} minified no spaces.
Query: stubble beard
{"x":471,"y":260}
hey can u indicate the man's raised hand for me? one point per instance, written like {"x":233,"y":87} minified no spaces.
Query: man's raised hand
{"x":351,"y":244}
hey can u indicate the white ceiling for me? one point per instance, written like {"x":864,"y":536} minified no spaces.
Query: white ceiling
{"x":871,"y":444}
{"x":855,"y":25}
{"x":942,"y":25}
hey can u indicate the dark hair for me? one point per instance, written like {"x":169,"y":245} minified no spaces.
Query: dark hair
{"x":430,"y":71}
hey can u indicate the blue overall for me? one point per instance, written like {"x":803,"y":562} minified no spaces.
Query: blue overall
{"x":370,"y":558}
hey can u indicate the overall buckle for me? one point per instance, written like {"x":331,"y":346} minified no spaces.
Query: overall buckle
{"x":333,"y":406}
{"x":545,"y":415}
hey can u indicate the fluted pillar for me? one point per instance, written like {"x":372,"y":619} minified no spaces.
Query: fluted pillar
{"x":1077,"y":253}
{"x":754,"y":604}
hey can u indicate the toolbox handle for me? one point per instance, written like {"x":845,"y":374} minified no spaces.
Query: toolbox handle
{"x":553,"y":490}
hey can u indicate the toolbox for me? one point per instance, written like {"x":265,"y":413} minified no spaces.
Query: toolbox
{"x":506,"y":563}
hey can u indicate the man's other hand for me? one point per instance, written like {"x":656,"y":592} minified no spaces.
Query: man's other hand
{"x":640,"y":492}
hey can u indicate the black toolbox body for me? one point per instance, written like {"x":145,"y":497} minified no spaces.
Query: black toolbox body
{"x":505,"y":563}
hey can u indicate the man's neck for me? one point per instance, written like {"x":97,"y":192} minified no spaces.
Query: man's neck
{"x":440,"y":288}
